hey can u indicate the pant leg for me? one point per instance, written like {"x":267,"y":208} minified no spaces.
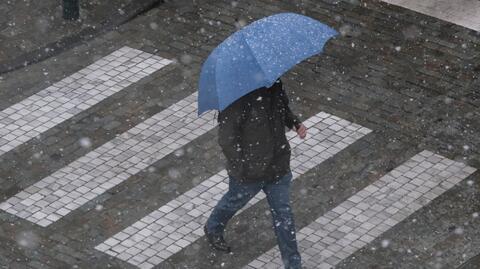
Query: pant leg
{"x":283,"y":223}
{"x":237,"y":196}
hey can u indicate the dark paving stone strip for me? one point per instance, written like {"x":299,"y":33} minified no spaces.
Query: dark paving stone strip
{"x":413,"y":36}
{"x":455,"y":129}
{"x":22,"y":248}
{"x":412,"y":93}
{"x":29,"y":246}
{"x":131,"y":10}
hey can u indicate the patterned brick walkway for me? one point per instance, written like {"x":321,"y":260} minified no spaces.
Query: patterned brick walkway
{"x":117,"y":171}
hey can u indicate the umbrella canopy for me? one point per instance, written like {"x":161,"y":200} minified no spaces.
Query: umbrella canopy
{"x":257,"y":55}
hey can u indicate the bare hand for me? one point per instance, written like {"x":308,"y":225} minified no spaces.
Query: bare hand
{"x":301,"y":131}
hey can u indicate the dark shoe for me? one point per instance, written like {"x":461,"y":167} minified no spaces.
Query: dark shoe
{"x":216,"y":241}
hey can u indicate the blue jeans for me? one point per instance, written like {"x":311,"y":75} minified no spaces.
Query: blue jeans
{"x":277,"y":192}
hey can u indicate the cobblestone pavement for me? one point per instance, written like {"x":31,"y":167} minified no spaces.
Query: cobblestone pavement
{"x":386,"y":179}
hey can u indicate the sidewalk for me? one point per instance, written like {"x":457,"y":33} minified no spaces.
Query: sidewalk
{"x":31,"y":31}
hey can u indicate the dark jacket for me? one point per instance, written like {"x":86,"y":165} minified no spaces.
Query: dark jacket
{"x":252,"y":135}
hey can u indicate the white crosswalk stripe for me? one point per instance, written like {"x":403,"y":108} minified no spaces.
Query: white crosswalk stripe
{"x":462,"y":12}
{"x":179,"y":223}
{"x":372,"y":211}
{"x":55,"y":196}
{"x":36,"y":114}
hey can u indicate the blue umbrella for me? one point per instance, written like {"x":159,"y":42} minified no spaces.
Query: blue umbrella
{"x":257,"y":55}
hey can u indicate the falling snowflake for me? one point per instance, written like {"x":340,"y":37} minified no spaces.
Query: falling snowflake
{"x":173,"y":173}
{"x":154,"y":25}
{"x":98,"y":207}
{"x":345,"y":30}
{"x":85,"y":142}
{"x":398,"y":48}
{"x":385,"y":243}
{"x":186,"y":59}
{"x":37,"y":155}
{"x":151,"y":169}
{"x":179,"y":152}
{"x":27,"y":239}
{"x":458,"y":230}
{"x":240,"y":23}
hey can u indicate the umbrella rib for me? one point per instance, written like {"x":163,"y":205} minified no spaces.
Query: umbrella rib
{"x":255,"y":58}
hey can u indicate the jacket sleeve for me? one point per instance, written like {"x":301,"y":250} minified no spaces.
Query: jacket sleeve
{"x":291,"y":119}
{"x":229,"y":134}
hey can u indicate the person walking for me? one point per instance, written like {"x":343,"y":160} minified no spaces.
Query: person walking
{"x":252,"y":138}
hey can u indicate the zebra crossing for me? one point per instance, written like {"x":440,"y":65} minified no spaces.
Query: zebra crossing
{"x":176,"y":225}
{"x":61,"y":101}
{"x":179,"y":223}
